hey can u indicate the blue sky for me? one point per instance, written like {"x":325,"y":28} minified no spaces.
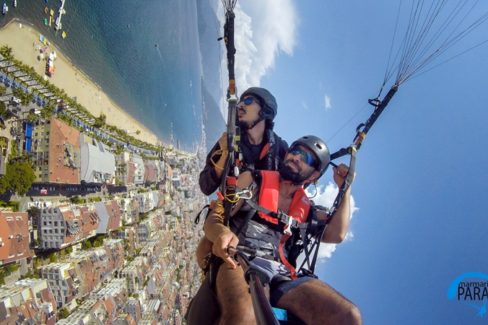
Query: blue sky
{"x":421,"y":178}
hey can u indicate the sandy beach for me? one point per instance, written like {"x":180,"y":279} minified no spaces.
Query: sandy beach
{"x":24,"y":41}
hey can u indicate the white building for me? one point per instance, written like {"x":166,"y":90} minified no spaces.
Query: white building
{"x":139,"y":172}
{"x":97,"y":163}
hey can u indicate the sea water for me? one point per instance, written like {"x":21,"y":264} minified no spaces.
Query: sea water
{"x":144,"y":54}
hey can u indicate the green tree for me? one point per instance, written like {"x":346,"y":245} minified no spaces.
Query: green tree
{"x":26,"y":98}
{"x":17,"y":92}
{"x":77,"y":200}
{"x":33,"y":117}
{"x":86,"y":244}
{"x":13,"y":149}
{"x":53,"y":258}
{"x":47,"y":112}
{"x":4,"y":112}
{"x":6,"y":51}
{"x":100,"y":121}
{"x":3,"y":90}
{"x":18,"y":177}
{"x":98,"y":242}
{"x":63,"y":313}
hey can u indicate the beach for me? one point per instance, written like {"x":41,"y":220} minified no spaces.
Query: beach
{"x":25,"y":44}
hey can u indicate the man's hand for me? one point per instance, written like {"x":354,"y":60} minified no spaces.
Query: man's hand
{"x":220,"y":245}
{"x":340,"y":174}
{"x":220,"y":164}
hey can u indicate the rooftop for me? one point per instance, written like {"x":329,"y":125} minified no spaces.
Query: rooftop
{"x":14,"y":236}
{"x":64,"y":153}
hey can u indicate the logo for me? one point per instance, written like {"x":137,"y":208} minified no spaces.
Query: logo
{"x":470,"y":289}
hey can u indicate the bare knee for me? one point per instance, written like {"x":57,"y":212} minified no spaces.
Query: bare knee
{"x":350,"y":315}
{"x":237,"y":314}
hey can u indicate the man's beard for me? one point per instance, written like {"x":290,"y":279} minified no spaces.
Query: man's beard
{"x":290,"y":175}
{"x":249,"y":125}
{"x":246,"y":125}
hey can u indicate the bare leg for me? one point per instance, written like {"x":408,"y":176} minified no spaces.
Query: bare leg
{"x":234,"y":298}
{"x":315,"y":302}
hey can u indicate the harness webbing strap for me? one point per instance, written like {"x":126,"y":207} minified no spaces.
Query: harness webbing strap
{"x":281,"y":252}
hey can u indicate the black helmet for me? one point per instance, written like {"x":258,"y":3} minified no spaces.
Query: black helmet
{"x":268,"y":102}
{"x":318,"y":147}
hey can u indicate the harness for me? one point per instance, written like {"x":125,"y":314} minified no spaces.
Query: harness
{"x":267,"y":208}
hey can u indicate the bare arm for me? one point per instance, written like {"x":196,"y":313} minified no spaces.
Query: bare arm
{"x":337,"y":228}
{"x":210,"y":176}
{"x":220,"y":235}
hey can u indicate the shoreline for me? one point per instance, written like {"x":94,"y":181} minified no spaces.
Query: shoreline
{"x":23,"y":38}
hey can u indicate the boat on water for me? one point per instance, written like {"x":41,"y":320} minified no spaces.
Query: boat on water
{"x":4,"y":8}
{"x":61,"y":11}
{"x":15,"y":3}
{"x":64,"y":34}
{"x":57,"y":23}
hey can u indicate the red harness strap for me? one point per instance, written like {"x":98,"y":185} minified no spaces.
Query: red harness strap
{"x":299,"y":209}
{"x":269,"y":194}
{"x":264,"y":151}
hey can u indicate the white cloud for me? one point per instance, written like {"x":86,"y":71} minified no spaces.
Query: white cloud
{"x":305,"y":106}
{"x":325,"y":196}
{"x":263,"y":29}
{"x":327,"y":102}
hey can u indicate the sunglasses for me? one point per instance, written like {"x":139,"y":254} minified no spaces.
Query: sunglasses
{"x":305,"y":156}
{"x":249,"y":100}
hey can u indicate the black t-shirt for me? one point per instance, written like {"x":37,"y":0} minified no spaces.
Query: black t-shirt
{"x":209,"y":181}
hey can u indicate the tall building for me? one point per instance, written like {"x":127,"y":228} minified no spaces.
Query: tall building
{"x":61,"y":279}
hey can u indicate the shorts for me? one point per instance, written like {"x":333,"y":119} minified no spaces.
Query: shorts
{"x":277,"y":275}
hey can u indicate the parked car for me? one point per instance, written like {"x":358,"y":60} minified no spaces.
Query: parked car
{"x":14,"y":100}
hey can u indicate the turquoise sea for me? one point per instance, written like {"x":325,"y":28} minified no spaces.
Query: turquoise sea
{"x":144,"y":54}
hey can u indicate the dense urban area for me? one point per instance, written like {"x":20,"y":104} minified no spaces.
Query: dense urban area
{"x":95,"y":225}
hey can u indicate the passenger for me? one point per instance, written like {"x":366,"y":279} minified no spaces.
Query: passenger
{"x":260,"y":147}
{"x":262,"y":233}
